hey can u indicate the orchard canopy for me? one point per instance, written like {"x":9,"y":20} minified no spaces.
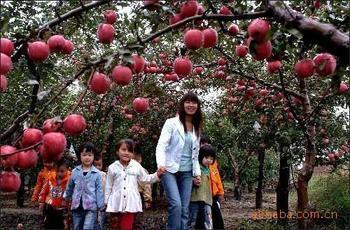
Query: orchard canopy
{"x":271,"y":75}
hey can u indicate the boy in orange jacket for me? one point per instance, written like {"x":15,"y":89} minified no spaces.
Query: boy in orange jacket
{"x":47,"y":172}
{"x":51,"y":198}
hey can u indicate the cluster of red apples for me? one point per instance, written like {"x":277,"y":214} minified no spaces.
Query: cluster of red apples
{"x":50,"y":142}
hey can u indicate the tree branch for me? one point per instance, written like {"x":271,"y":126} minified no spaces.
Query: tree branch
{"x":68,"y":83}
{"x":256,"y":79}
{"x":75,"y":12}
{"x":325,"y":35}
{"x":14,"y":126}
{"x":21,"y":150}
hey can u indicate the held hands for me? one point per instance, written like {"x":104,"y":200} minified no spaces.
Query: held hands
{"x":161,"y":170}
{"x":197,"y":180}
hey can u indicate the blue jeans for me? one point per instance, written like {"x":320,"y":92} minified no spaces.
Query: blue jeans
{"x":100,"y":222}
{"x":195,"y":207}
{"x":84,"y":219}
{"x":178,"y":189}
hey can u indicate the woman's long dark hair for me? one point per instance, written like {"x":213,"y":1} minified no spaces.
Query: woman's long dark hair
{"x":197,"y":118}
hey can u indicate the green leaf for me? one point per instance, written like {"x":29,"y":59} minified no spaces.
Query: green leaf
{"x":32,"y":82}
{"x":296,"y":33}
{"x":42,"y":94}
{"x":109,"y":62}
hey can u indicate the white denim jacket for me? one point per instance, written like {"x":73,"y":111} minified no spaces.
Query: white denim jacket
{"x":170,"y":147}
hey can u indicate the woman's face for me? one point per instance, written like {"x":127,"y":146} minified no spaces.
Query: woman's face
{"x":190,"y":107}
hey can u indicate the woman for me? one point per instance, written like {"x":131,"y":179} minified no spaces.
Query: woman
{"x":177,"y":154}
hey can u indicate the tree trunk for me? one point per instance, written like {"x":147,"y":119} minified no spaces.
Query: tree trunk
{"x":282,"y":191}
{"x":306,"y":172}
{"x":258,"y":193}
{"x":237,"y":192}
{"x":21,"y":193}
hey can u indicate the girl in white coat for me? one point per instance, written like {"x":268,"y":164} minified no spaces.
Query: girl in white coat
{"x":122,"y":196}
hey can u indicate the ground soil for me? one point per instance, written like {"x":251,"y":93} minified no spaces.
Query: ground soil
{"x":234,"y":212}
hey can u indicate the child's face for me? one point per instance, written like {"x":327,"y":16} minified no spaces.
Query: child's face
{"x":98,"y":164}
{"x":124,"y":154}
{"x":86,"y":158}
{"x":48,"y":165}
{"x":61,"y":171}
{"x":207,"y":161}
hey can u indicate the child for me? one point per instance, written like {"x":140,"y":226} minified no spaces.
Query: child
{"x":201,"y":194}
{"x":52,"y":196}
{"x":47,"y":172}
{"x":98,"y":163}
{"x":145,"y":191}
{"x":217,"y":192}
{"x":122,"y":195}
{"x":85,"y":190}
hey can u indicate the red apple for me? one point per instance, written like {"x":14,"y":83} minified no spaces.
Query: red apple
{"x":260,"y":50}
{"x":240,"y":82}
{"x":8,"y":161}
{"x":225,"y":10}
{"x":241,"y":50}
{"x":325,"y":141}
{"x":317,"y":4}
{"x":140,"y":104}
{"x":201,"y":9}
{"x":193,"y":39}
{"x":110,"y":16}
{"x":68,"y":47}
{"x":38,"y":51}
{"x":233,"y":30}
{"x":31,"y":137}
{"x":241,"y":87}
{"x":258,"y":29}
{"x":56,"y":43}
{"x":51,"y":125}
{"x":122,"y":75}
{"x":5,"y":64}
{"x":105,"y":33}
{"x":198,"y":69}
{"x":264,"y":92}
{"x":74,"y":124}
{"x":99,"y":83}
{"x":331,"y":156}
{"x":3,"y":83}
{"x":189,"y":8}
{"x":343,"y":88}
{"x":222,"y":61}
{"x":175,"y":18}
{"x":138,"y":63}
{"x":273,"y":66}
{"x":27,"y":159}
{"x":210,"y":37}
{"x":304,"y":68}
{"x":9,"y":181}
{"x":128,"y":116}
{"x":325,"y":64}
{"x":182,"y":67}
{"x":6,"y":46}
{"x":171,"y":77}
{"x":54,"y":144}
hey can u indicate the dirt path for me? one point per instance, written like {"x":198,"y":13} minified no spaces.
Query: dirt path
{"x":233,"y":211}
